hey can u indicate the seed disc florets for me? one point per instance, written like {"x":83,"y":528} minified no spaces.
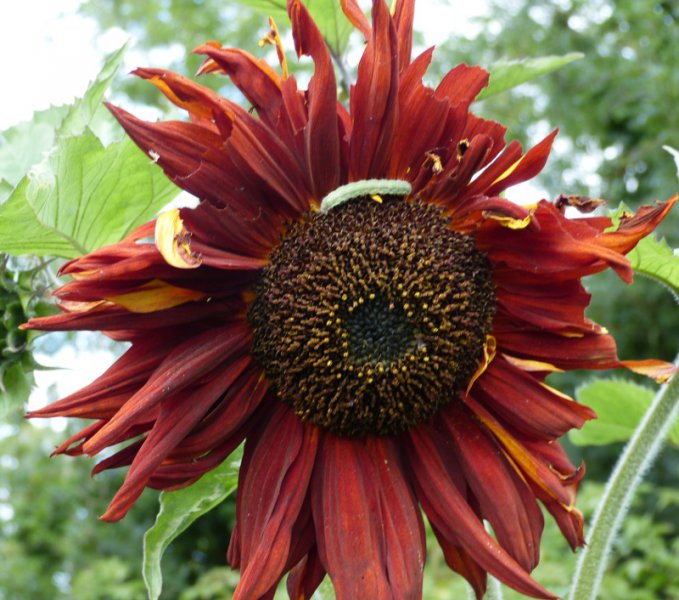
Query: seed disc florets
{"x":372,"y":316}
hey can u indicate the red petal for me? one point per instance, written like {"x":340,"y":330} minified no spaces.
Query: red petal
{"x":357,"y":17}
{"x":322,"y":142}
{"x":563,"y":248}
{"x":401,"y":521}
{"x":521,"y":400}
{"x":347,"y":512}
{"x":259,"y":83}
{"x":422,"y":123}
{"x":539,"y":472}
{"x":583,"y":350}
{"x":177,"y":417}
{"x":374,"y":101}
{"x":460,"y":561}
{"x":280,"y":461}
{"x":634,"y":228}
{"x":528,"y":166}
{"x":404,"y":15}
{"x":239,"y":402}
{"x":182,"y":367}
{"x":504,"y":498}
{"x":125,"y":376}
{"x":462,"y":84}
{"x":451,"y":514}
{"x":108,"y":319}
{"x":305,"y":578}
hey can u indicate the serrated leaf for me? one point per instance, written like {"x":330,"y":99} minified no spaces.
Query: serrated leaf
{"x":181,"y":508}
{"x":655,"y":259}
{"x":82,"y":112}
{"x":5,"y":190}
{"x":26,"y":144}
{"x":86,"y":196}
{"x":619,"y":405}
{"x":327,"y":14}
{"x":506,"y":75}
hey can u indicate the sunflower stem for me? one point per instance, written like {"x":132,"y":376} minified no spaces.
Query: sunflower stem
{"x":636,"y":458}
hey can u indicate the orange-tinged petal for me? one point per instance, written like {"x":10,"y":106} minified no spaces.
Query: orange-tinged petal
{"x":489,"y":351}
{"x":357,"y":17}
{"x":505,"y":499}
{"x":659,"y":370}
{"x":531,"y":365}
{"x":450,"y":513}
{"x":156,"y":295}
{"x":532,"y":468}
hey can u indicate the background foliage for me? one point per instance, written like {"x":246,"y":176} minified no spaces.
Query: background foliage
{"x":616,"y":109}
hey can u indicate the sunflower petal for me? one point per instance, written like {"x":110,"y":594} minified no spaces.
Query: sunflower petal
{"x":450,"y":513}
{"x":265,"y":521}
{"x":348,"y":516}
{"x":373,"y":99}
{"x":505,"y":499}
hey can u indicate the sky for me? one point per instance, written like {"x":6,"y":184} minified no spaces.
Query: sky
{"x":49,"y":55}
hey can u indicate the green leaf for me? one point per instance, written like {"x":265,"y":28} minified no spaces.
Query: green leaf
{"x":332,"y":23}
{"x":83,"y":111}
{"x":85,"y":197}
{"x":26,"y":144}
{"x":506,"y":75}
{"x":619,"y":405}
{"x":15,"y":387}
{"x":5,"y":190}
{"x":655,"y":259}
{"x":181,"y":508}
{"x":327,"y":14}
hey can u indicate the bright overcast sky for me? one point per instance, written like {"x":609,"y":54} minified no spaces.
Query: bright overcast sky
{"x":50,"y":53}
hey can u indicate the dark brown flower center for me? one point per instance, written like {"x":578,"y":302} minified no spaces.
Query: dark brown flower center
{"x":372,"y":316}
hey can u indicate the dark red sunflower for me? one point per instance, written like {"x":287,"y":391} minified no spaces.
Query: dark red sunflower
{"x":354,"y":299}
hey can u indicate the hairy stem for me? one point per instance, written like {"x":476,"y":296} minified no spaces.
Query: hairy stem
{"x":494,"y":591}
{"x":637,"y":457}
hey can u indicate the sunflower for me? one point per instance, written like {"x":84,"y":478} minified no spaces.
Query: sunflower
{"x":355,"y":300}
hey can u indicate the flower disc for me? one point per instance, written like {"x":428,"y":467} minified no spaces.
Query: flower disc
{"x":372,"y":316}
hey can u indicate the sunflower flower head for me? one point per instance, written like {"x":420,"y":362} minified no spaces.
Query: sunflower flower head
{"x":355,"y":300}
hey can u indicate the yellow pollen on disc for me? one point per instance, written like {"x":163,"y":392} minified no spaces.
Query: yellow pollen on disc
{"x":370,"y":317}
